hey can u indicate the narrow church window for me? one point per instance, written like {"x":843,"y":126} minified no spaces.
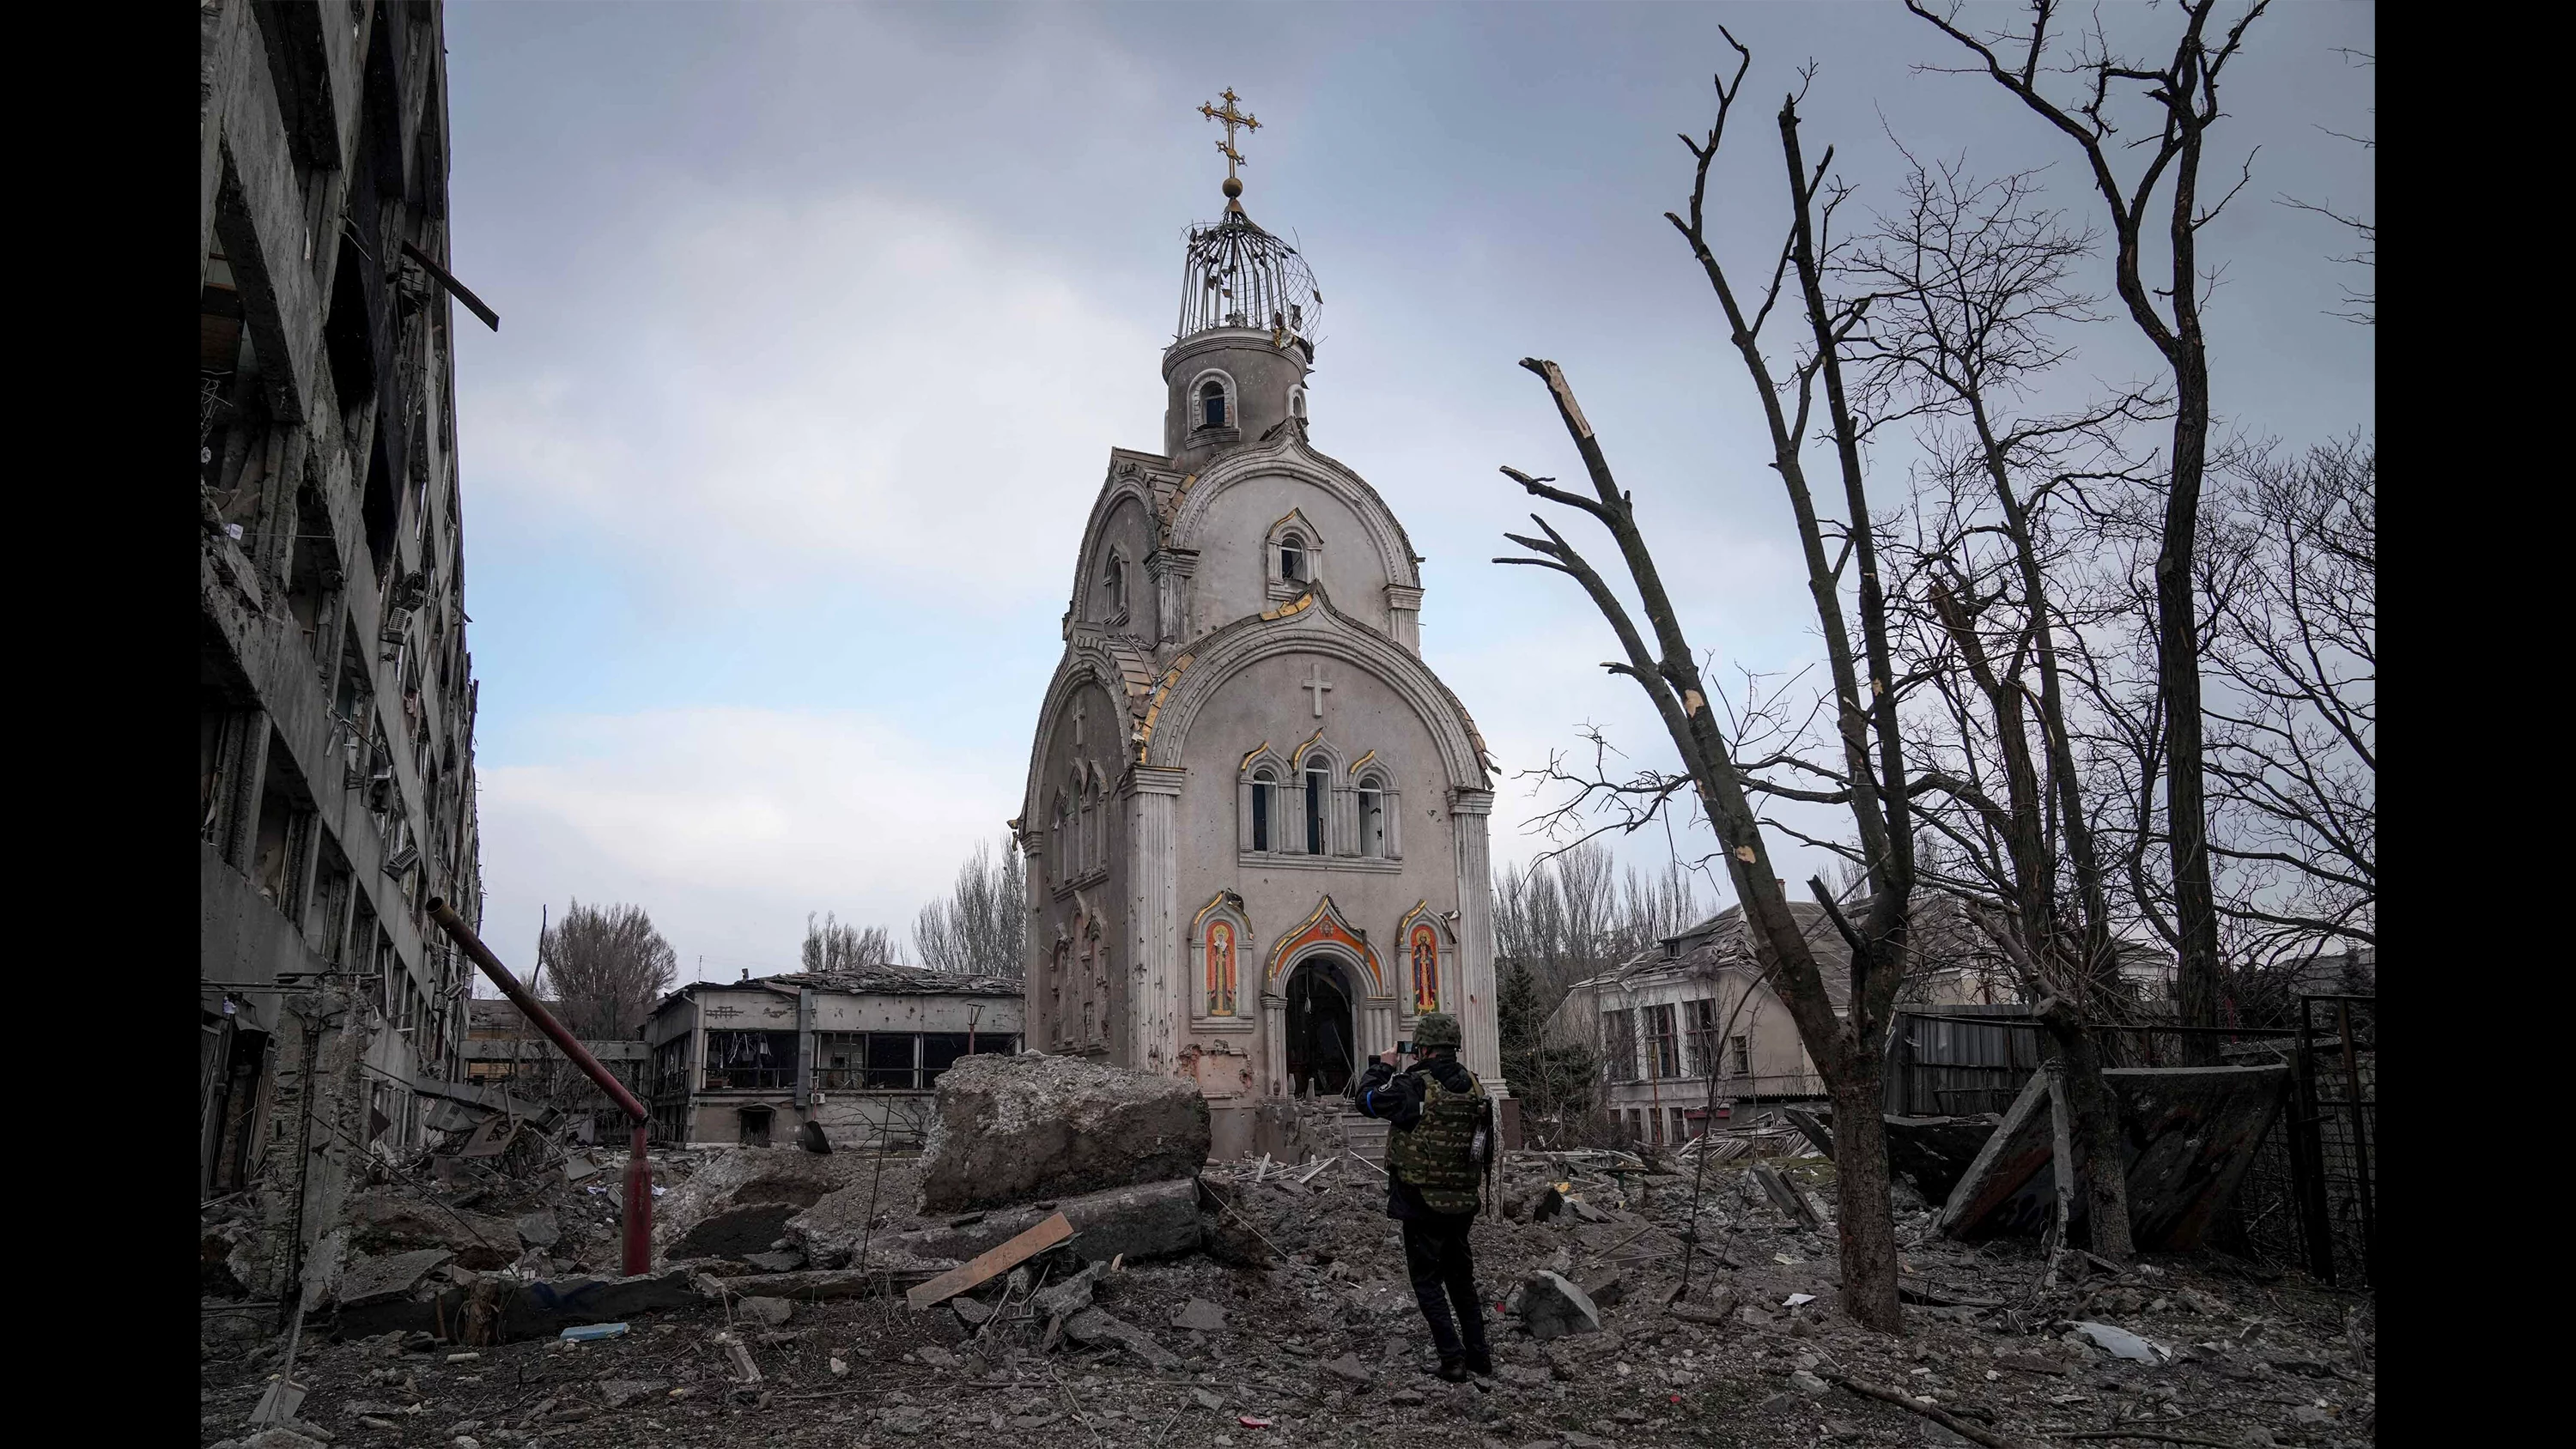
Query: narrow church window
{"x":1297,"y":404}
{"x":1212,"y":405}
{"x":1261,"y":787}
{"x":1063,"y":863}
{"x":1292,"y":559}
{"x":1315,"y":812}
{"x":1372,"y":817}
{"x":1113,"y":582}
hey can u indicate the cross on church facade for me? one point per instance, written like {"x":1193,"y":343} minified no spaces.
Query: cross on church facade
{"x":1315,"y":684}
{"x":1229,"y":118}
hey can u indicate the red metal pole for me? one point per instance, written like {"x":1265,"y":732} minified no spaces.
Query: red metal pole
{"x":639,"y":1171}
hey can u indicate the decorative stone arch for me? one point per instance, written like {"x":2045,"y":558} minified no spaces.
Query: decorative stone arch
{"x":1292,"y":556}
{"x":1219,"y":948}
{"x":1197,"y":676}
{"x":1288,"y":455}
{"x":1423,"y":938}
{"x":1125,"y":483}
{"x":1321,"y":808}
{"x":1259,"y":821}
{"x":1123,"y":673}
{"x":1325,"y":932}
{"x":1230,"y":395}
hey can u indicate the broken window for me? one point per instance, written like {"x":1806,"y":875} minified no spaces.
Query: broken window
{"x":741,"y":1061}
{"x":1703,"y":1036}
{"x":1619,"y":1045}
{"x":1665,"y":1048}
{"x":1373,"y":818}
{"x":755,"y":1126}
{"x":1741,"y":1053}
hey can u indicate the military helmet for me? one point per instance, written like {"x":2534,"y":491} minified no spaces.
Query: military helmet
{"x":1436,"y":1029}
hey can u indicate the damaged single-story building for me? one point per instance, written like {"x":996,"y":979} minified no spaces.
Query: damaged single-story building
{"x":856,"y":1051}
{"x":504,"y":1049}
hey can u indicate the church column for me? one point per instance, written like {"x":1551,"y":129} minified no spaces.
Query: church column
{"x":1170,"y":569}
{"x":1469,"y":813}
{"x":1404,"y":615}
{"x":1153,"y":917}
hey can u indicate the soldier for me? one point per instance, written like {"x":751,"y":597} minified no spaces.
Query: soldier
{"x":1439,"y":1142}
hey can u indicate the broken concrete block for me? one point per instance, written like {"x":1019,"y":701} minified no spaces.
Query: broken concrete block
{"x":539,"y":1229}
{"x":1552,"y":1307}
{"x":740,"y":1201}
{"x":382,"y":1222}
{"x":1200,"y":1316}
{"x":1350,"y":1370}
{"x":1606,"y":1288}
{"x":1155,"y":1220}
{"x":768,"y":1312}
{"x":785,"y":1260}
{"x":2117,"y":1342}
{"x":974,"y":1313}
{"x":1010,"y":1128}
{"x":1096,"y":1325}
{"x":618,"y":1393}
{"x":2188,"y":1135}
{"x":374,"y":1280}
{"x":1808,"y":1384}
{"x":1069,"y":1296}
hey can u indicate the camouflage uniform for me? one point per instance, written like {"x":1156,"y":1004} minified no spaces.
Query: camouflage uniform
{"x":1436,"y":1112}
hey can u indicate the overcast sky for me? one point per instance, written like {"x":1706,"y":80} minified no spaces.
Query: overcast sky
{"x":819,"y":321}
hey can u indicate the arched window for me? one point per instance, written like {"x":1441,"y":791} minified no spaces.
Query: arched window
{"x":1373,"y":817}
{"x":1263,"y":786}
{"x":1063,"y":863}
{"x":1113,"y":587}
{"x":1292,"y":559}
{"x":1317,"y":792}
{"x":1212,"y":404}
{"x":1297,"y":404}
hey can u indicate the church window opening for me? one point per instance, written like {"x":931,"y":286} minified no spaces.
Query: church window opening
{"x":1373,"y":817}
{"x":1425,"y":951}
{"x":1297,"y":404}
{"x":1113,"y":587}
{"x":1212,"y":405}
{"x":1262,"y":785}
{"x":1220,"y":968}
{"x":1315,"y":796}
{"x":1292,"y":559}
{"x":1063,"y":862}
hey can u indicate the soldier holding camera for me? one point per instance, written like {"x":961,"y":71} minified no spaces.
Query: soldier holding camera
{"x":1440,"y":1144}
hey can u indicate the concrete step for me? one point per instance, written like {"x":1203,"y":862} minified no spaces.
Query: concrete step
{"x":1364,"y":1136}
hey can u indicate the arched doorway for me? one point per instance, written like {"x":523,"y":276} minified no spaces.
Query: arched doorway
{"x":1321,"y":1042}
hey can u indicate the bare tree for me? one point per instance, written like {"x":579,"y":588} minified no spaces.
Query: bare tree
{"x":2363,"y":302}
{"x":609,"y":966}
{"x":2294,"y":724}
{"x":2182,"y":99}
{"x":1572,"y":914}
{"x":1866,"y":772}
{"x":835,"y":946}
{"x":982,"y":928}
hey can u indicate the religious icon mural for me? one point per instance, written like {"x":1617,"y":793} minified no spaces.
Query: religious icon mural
{"x":1220,"y":968}
{"x":1425,"y":950}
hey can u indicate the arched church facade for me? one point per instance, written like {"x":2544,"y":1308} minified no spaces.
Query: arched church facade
{"x":1255,"y":820}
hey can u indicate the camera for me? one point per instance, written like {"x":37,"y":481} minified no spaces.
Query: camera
{"x":1404,"y":1048}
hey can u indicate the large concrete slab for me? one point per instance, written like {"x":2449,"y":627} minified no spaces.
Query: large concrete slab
{"x":2188,"y":1134}
{"x":1011,"y":1129}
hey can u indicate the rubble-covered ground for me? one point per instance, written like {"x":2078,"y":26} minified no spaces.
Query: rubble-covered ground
{"x":1321,"y":1343}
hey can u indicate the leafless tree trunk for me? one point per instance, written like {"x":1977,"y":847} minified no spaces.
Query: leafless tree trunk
{"x":2184,"y":97}
{"x":1870,"y":772}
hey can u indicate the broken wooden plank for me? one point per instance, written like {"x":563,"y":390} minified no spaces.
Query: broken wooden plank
{"x":992,"y":1261}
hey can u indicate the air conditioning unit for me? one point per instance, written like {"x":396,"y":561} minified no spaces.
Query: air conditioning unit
{"x":402,"y":860}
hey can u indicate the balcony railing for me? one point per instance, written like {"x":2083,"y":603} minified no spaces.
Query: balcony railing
{"x":749,"y":1079}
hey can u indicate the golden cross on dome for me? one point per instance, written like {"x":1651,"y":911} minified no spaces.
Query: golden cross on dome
{"x":1230,"y":118}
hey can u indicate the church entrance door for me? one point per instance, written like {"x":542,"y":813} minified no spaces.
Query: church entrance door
{"x":1319,"y":1026}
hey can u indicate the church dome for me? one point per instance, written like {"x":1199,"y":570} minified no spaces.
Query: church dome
{"x":1239,"y":276}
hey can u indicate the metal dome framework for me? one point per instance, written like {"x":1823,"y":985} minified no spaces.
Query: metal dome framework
{"x":1241,"y":276}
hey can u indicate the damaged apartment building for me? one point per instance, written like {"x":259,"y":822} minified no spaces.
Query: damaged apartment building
{"x":336,"y":732}
{"x":855,"y":1052}
{"x":1691,"y":1021}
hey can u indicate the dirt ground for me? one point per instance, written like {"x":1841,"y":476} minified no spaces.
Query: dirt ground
{"x":1323,"y":1345}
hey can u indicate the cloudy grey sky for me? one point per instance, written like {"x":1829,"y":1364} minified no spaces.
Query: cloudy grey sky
{"x":818,"y":321}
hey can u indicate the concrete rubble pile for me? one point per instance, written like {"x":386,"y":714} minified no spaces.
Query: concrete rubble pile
{"x":1128,"y":1297}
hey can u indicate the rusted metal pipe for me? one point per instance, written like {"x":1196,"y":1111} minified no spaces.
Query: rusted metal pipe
{"x":639,"y":1170}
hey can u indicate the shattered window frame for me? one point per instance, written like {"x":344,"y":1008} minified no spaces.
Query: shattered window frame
{"x":1663,"y":1043}
{"x":749,"y":1060}
{"x":1619,"y":1045}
